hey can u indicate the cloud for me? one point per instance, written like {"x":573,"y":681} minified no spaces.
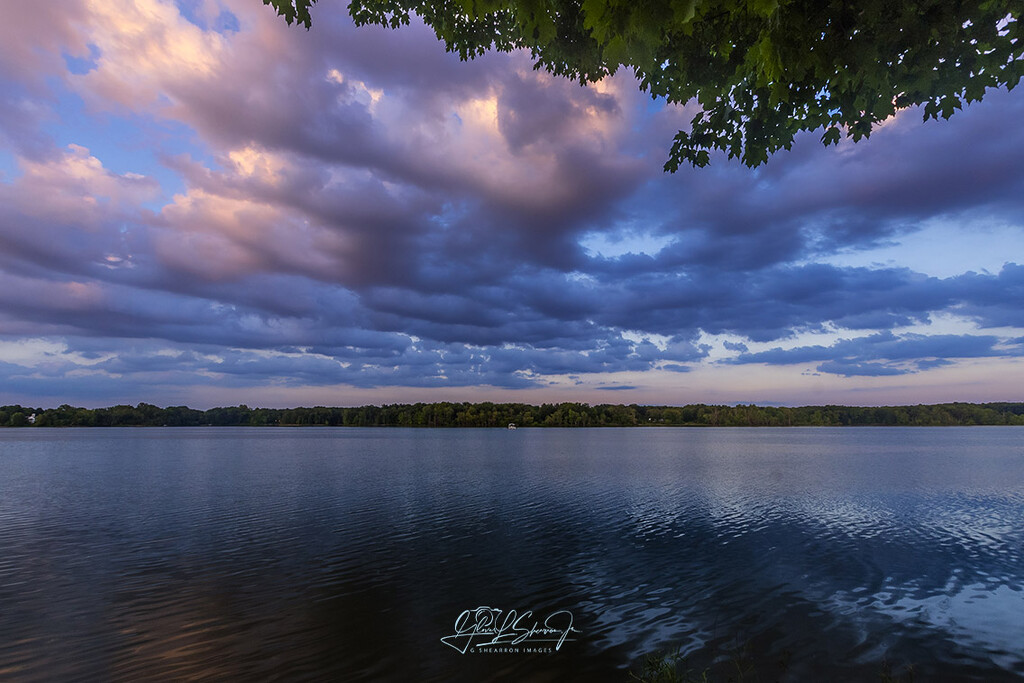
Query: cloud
{"x":848,"y":369}
{"x":885,"y":353}
{"x":357,"y":207}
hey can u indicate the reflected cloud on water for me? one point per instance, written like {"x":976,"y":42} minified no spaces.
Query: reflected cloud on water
{"x":269,"y":553}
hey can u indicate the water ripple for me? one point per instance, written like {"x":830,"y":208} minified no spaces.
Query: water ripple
{"x":315,"y":554}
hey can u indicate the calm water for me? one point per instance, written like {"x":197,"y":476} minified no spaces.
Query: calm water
{"x":283,"y":554}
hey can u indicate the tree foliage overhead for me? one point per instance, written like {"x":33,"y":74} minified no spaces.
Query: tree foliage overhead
{"x":761,"y":70}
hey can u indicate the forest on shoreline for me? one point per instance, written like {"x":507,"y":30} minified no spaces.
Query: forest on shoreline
{"x":520,"y":414}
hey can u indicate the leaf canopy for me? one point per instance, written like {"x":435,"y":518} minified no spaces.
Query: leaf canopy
{"x":761,"y":70}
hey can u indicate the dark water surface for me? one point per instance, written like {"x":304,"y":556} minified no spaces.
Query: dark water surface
{"x":348,"y":554}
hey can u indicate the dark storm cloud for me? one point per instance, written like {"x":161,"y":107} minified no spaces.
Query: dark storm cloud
{"x":816,"y":200}
{"x":541,"y":112}
{"x":993,"y":300}
{"x":885,"y":353}
{"x":766,"y":304}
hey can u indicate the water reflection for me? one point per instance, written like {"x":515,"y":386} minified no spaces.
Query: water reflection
{"x":349,"y":553}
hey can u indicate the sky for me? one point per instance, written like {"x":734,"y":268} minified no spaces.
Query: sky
{"x":200,"y":205}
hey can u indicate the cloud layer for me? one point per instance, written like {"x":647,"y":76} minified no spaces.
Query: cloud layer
{"x":197,"y":195}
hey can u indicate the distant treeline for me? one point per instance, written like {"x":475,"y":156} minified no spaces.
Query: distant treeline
{"x":521,"y":414}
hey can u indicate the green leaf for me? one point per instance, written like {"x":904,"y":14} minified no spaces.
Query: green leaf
{"x":764,"y":7}
{"x":683,"y":11}
{"x":616,"y":51}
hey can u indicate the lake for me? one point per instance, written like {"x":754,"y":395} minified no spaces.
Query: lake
{"x":801,"y":554}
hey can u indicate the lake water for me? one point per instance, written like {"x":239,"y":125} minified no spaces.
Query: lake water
{"x":349,"y":554}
